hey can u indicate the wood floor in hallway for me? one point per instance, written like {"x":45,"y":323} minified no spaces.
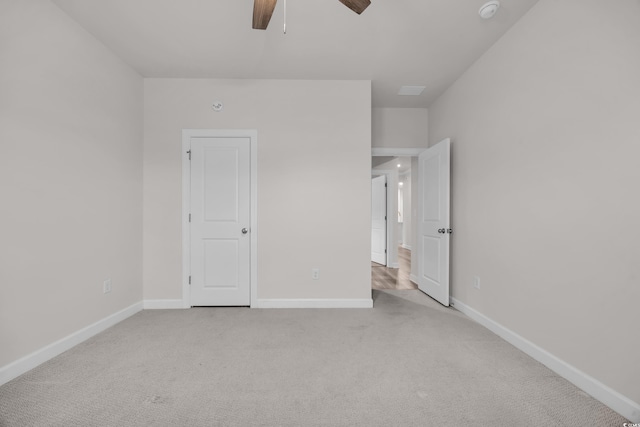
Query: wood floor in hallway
{"x":393,"y":278}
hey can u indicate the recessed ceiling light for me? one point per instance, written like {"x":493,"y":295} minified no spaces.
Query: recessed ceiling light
{"x":411,"y":90}
{"x":399,"y":165}
{"x":401,"y":183}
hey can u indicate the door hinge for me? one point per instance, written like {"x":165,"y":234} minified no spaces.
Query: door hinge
{"x":189,"y":279}
{"x":385,"y":251}
{"x":385,"y":185}
{"x":189,"y":217}
{"x":189,"y":153}
{"x":385,"y":217}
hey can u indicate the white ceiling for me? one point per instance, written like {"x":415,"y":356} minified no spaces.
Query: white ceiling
{"x":391,"y":163}
{"x":393,"y":43}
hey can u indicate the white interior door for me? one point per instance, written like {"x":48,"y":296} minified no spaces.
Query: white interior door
{"x":220,"y":221}
{"x":379,"y":219}
{"x":433,"y":221}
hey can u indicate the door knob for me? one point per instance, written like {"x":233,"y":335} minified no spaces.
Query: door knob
{"x":441,"y":230}
{"x":449,"y":230}
{"x":245,"y":231}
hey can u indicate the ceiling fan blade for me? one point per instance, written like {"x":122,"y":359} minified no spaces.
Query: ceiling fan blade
{"x":262,"y":11}
{"x":358,"y":6}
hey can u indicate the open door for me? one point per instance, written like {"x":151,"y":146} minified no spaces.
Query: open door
{"x":433,"y":221}
{"x":379,"y":219}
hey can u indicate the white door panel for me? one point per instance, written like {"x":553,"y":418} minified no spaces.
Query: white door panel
{"x":432,"y":259}
{"x":379,"y":219}
{"x":220,"y":210}
{"x":220,"y":259}
{"x":221,"y":184}
{"x":434,"y":231}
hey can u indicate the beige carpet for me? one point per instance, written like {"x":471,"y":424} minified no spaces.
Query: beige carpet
{"x":407,"y":362}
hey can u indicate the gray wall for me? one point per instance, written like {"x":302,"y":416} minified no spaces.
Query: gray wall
{"x":546,"y":144}
{"x":399,"y":127}
{"x":407,"y":236}
{"x":70,"y":179}
{"x":313,"y":180}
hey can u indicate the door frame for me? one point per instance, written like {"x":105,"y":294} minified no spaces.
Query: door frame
{"x":187,"y":135}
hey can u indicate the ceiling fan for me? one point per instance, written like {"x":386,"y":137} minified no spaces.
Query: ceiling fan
{"x":263,"y":9}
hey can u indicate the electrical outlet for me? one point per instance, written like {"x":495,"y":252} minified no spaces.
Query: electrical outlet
{"x":476,"y":282}
{"x":106,"y":286}
{"x":315,"y":273}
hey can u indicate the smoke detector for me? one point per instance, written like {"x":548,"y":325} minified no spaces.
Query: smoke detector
{"x":489,"y":9}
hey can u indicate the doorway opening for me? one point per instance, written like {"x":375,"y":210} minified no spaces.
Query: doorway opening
{"x":383,"y":277}
{"x":431,"y":229}
{"x":396,"y":272}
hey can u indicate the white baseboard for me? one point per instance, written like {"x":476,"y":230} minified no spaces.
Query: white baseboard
{"x":413,"y":278}
{"x":162,"y":304}
{"x":616,"y":401}
{"x":313,"y":303}
{"x":38,"y":357}
{"x":394,"y":265}
{"x":407,"y":247}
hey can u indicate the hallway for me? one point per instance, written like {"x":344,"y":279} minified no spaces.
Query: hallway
{"x":393,"y":278}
